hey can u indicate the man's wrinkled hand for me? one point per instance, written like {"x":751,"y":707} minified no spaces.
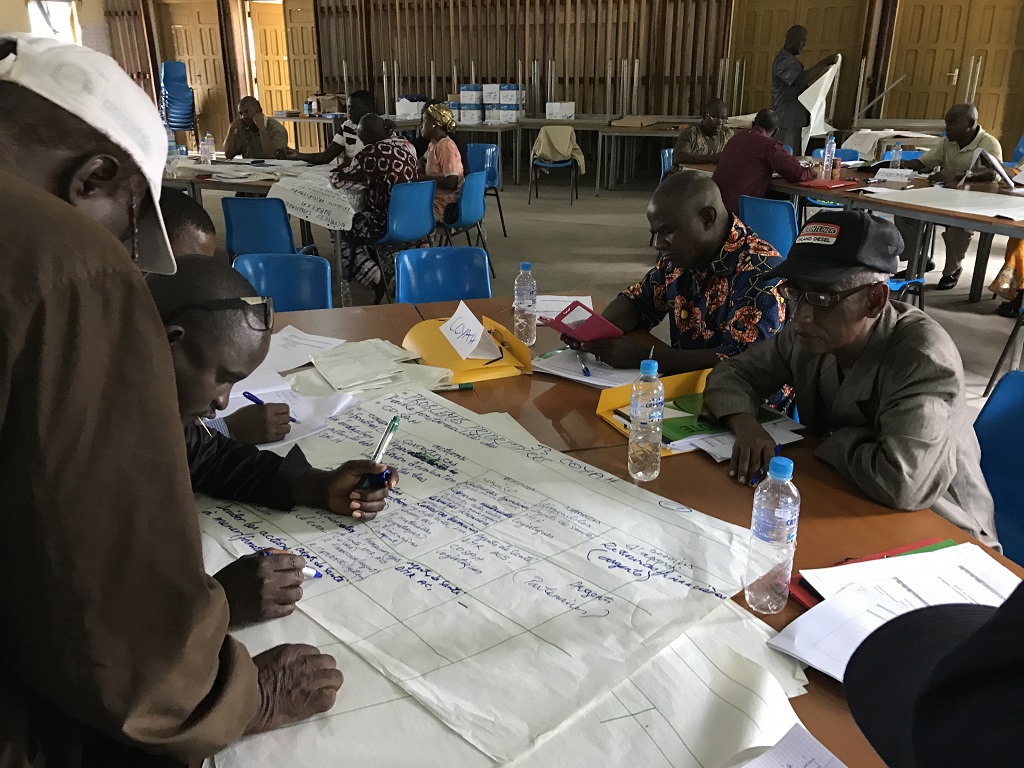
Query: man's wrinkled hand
{"x":295,"y":682}
{"x":257,"y":424}
{"x":754,"y":448}
{"x":261,"y":587}
{"x":619,"y":352}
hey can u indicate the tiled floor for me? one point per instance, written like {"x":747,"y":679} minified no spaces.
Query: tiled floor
{"x":599,"y":244}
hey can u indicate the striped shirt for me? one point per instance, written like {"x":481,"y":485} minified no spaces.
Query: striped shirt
{"x":349,"y":139}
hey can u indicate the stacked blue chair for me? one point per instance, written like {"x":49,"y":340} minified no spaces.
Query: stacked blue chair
{"x":485,"y":157}
{"x":295,"y":281}
{"x":177,"y":100}
{"x":472,"y":208}
{"x":442,"y":274}
{"x":997,"y":426}
{"x":772,"y":220}
{"x":258,"y":225}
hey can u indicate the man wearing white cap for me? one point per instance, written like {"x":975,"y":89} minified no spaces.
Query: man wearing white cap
{"x":114,"y":649}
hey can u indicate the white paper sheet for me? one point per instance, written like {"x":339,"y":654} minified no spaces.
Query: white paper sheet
{"x":291,"y":348}
{"x":550,"y":306}
{"x":962,"y":201}
{"x":797,"y":749}
{"x":565,"y":364}
{"x":262,"y":380}
{"x":311,"y":197}
{"x":310,"y":413}
{"x":560,"y":586}
{"x":815,"y":97}
{"x":719,"y":447}
{"x":359,"y":363}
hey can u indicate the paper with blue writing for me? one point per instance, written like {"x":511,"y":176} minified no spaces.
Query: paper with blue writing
{"x":467,"y":336}
{"x":507,"y":587}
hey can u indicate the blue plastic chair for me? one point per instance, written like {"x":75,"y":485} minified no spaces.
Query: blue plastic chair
{"x":912,"y":281}
{"x":908,"y":154}
{"x":485,"y":157}
{"x":772,"y":220}
{"x":788,"y":148}
{"x":1018,"y":151}
{"x":410,"y":223}
{"x":666,"y":162}
{"x":258,"y":225}
{"x":472,"y":208}
{"x":296,"y":281}
{"x":536,"y":164}
{"x":442,"y":274}
{"x":997,"y":426}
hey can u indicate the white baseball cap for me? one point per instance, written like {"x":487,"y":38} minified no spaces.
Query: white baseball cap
{"x":94,"y":88}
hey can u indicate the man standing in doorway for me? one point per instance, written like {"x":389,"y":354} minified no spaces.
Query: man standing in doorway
{"x":789,"y":80}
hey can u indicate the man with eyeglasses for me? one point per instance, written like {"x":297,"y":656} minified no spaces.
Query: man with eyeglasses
{"x":878,"y":382}
{"x":703,"y":141}
{"x":219,"y":332}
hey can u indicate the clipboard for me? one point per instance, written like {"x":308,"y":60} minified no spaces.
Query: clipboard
{"x":580,"y":323}
{"x":426,"y":340}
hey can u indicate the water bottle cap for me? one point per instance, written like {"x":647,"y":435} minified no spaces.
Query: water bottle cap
{"x":525,"y":266}
{"x":649,"y":368}
{"x":899,"y":144}
{"x":781,"y":468}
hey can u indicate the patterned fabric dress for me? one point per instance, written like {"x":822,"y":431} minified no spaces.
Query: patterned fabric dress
{"x":378,"y":168}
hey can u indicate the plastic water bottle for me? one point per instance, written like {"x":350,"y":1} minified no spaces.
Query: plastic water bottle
{"x":897,"y":156}
{"x":524,"y":308}
{"x":207,"y":149}
{"x":830,"y":156}
{"x":172,"y":142}
{"x":646,"y":406}
{"x":773,"y":538}
{"x":345,"y":292}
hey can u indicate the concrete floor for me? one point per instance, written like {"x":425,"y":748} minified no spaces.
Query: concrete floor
{"x":600,"y":244}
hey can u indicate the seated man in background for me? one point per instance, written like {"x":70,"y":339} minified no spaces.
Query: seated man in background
{"x":253,"y":135}
{"x":189,"y":227}
{"x":879,"y":383}
{"x":751,"y":158}
{"x":711,"y":278}
{"x":219,"y":331}
{"x":703,"y":141}
{"x":954,"y":154}
{"x":346,"y":142}
{"x":384,"y":161}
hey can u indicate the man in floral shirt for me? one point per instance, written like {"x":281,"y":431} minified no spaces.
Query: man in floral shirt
{"x":710,"y":277}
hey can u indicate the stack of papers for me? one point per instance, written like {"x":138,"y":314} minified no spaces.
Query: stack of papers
{"x":861,"y":597}
{"x":373,"y":366}
{"x":688,"y":432}
{"x":291,"y":348}
{"x":566,"y":364}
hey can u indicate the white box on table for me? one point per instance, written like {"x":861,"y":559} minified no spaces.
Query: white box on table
{"x":561,"y":110}
{"x":508,"y":93}
{"x":472,"y":114}
{"x":508,"y":113}
{"x":471,"y":94}
{"x":491,"y":92}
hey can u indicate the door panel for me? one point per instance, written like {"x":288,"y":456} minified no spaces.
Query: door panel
{"x":303,"y":64}
{"x":995,"y":33}
{"x":273,"y":81}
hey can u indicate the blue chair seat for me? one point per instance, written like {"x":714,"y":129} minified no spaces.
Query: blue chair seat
{"x":296,"y":281}
{"x":556,"y":164}
{"x":772,"y":220}
{"x":442,"y":274}
{"x":1000,"y":421}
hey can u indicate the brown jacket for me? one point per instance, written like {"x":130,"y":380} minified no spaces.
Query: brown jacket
{"x":112,"y":637}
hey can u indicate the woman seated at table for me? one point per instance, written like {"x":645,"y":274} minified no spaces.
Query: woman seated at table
{"x":443,"y":162}
{"x":384,"y":161}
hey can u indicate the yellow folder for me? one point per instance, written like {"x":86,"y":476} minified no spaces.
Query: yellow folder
{"x":426,"y":340}
{"x":675,"y":386}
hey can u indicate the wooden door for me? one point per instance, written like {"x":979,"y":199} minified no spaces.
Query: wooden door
{"x":273,"y":81}
{"x":129,"y":41}
{"x":303,"y":64}
{"x":928,"y":46}
{"x":191,"y":34}
{"x":758,"y":35}
{"x":995,"y":38}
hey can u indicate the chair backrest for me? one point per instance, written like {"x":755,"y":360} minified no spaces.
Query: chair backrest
{"x":442,"y":274}
{"x":998,"y":425}
{"x":485,"y":157}
{"x":666,"y":162}
{"x":256,"y":225}
{"x":846,"y":155}
{"x":555,"y":143}
{"x":472,"y":201}
{"x":411,"y":212}
{"x":788,"y":148}
{"x":1018,"y":151}
{"x":908,"y":154}
{"x":173,"y":72}
{"x":772,"y":220}
{"x":296,"y":280}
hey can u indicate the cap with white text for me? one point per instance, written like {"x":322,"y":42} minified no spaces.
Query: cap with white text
{"x":834,"y":245}
{"x":94,"y":88}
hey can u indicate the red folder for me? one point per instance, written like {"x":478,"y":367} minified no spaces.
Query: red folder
{"x":580,"y":323}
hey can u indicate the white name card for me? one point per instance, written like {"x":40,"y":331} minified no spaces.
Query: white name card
{"x":467,"y":335}
{"x":894,"y":174}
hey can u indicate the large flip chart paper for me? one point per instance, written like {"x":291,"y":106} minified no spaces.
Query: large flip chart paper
{"x":507,"y":586}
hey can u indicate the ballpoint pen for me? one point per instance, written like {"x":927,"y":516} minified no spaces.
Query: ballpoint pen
{"x":199,"y":420}
{"x":651,"y":356}
{"x":586,"y":371}
{"x":376,"y":480}
{"x":253,"y":399}
{"x":759,"y":475}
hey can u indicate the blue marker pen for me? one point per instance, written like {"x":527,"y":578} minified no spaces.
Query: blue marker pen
{"x":307,"y":572}
{"x":759,"y":475}
{"x":253,"y":399}
{"x":586,"y":371}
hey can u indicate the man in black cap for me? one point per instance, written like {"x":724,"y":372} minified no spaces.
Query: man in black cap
{"x":879,"y":383}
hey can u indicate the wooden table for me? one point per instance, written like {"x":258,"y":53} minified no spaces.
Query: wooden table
{"x":668,"y":129}
{"x":836,"y":521}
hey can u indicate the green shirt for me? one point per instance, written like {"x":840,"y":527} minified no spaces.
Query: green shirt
{"x":952,"y":157}
{"x":252,"y":147}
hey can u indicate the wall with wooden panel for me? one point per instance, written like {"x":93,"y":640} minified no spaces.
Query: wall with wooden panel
{"x":674,"y":49}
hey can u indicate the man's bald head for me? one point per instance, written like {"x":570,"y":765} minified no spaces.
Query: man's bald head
{"x":371,"y":128}
{"x":248,"y":107}
{"x":796,"y":39}
{"x":200,"y":279}
{"x":767,"y":119}
{"x":688,"y":219}
{"x":962,"y":123}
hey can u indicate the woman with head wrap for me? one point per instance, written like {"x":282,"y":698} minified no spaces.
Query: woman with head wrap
{"x":442,"y":162}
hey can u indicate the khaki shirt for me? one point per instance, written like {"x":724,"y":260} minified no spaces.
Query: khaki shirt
{"x":113,"y":637}
{"x":695,"y":141}
{"x":252,"y":147}
{"x":952,"y":157}
{"x":895,"y":425}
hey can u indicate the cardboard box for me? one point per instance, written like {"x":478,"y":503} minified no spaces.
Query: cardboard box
{"x":561,"y":110}
{"x":508,"y":93}
{"x":508,"y":113}
{"x":456,"y":108}
{"x":408,"y":110}
{"x":471,"y":94}
{"x":492,"y":113}
{"x":471,"y":114}
{"x":492,"y":93}
{"x":635,"y":121}
{"x":332,"y":102}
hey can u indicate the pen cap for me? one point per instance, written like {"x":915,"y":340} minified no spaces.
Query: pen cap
{"x":649,"y":368}
{"x":781,"y":468}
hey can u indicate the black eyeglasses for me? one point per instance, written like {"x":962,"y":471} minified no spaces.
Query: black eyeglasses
{"x":259,"y":310}
{"x":818,"y":298}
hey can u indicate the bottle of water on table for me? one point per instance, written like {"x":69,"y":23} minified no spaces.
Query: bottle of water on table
{"x":772,"y":539}
{"x":207,"y":149}
{"x":172,"y":142}
{"x":897,"y":156}
{"x":524,"y":308}
{"x":645,"y":411}
{"x":830,"y":156}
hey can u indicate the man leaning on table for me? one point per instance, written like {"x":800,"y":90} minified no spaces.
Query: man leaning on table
{"x":878,"y":382}
{"x":711,"y":279}
{"x":703,"y":141}
{"x":253,"y":135}
{"x":953,"y":155}
{"x":115,"y":650}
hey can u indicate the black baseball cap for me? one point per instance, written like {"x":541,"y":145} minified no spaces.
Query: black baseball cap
{"x":836,"y":244}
